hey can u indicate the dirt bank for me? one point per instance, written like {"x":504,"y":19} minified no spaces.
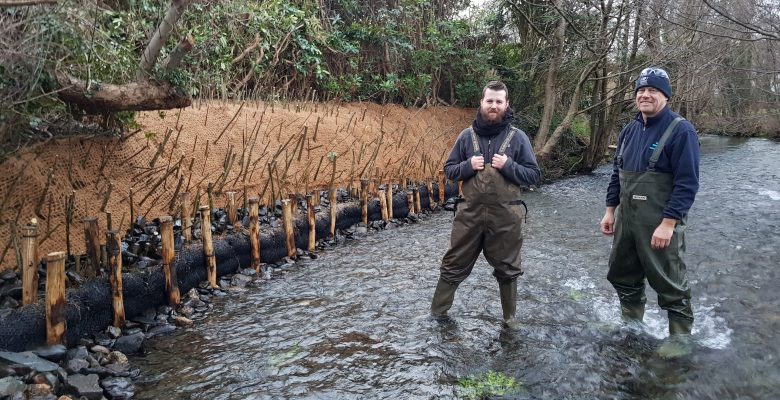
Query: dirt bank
{"x":229,"y":145}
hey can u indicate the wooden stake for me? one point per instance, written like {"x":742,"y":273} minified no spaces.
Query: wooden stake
{"x":442,"y":182}
{"x":168,"y":256}
{"x":333,"y":208}
{"x":289,"y":233}
{"x":230,"y":208}
{"x":312,"y":222}
{"x":186,"y":217}
{"x":364,"y":200}
{"x":410,"y":201}
{"x":254,"y":232}
{"x":431,"y":204}
{"x":55,"y":298}
{"x":389,"y":194}
{"x":315,"y":199}
{"x":417,"y":203}
{"x":132,"y":210}
{"x":92,"y":241}
{"x":114,"y":250}
{"x":29,"y":264}
{"x":383,"y":205}
{"x":208,"y":245}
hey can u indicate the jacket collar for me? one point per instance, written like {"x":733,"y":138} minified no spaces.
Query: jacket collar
{"x":653,"y":120}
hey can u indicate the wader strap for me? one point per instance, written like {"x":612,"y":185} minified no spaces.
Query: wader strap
{"x":475,"y":142}
{"x":522,"y":203}
{"x":506,"y":141}
{"x":658,"y":149}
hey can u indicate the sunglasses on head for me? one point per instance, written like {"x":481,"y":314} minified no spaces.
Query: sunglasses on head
{"x":654,"y":71}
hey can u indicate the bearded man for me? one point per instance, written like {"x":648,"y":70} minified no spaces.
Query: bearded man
{"x":494,"y":160}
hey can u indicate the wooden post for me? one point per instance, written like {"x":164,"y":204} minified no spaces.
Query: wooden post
{"x":208,"y":245}
{"x":132,"y":209}
{"x":29,"y":264}
{"x":417,"y":202}
{"x":403,"y":183}
{"x":254,"y":232}
{"x":333,"y":209}
{"x":442,"y":182}
{"x":315,"y":200}
{"x":230,"y":208}
{"x":312,"y":222}
{"x":91,"y":238}
{"x":383,"y":205}
{"x":289,"y":233}
{"x":55,"y":298}
{"x":186,"y":217}
{"x":168,"y":256}
{"x":431,"y":204}
{"x":114,"y":250}
{"x":364,"y":200}
{"x":109,"y":221}
{"x":389,"y":194}
{"x":410,"y":201}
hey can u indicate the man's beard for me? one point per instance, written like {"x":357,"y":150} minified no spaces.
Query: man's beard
{"x":492,"y":119}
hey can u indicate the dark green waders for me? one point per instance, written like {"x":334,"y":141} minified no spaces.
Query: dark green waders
{"x":643,"y":196}
{"x":489,"y":220}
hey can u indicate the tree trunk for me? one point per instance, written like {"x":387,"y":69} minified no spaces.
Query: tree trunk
{"x":549,"y":86}
{"x":135,"y":96}
{"x":160,"y":36}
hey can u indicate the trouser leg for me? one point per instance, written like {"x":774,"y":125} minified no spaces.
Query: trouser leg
{"x":442,"y":298}
{"x":626,"y":274}
{"x":666,"y":273}
{"x":458,"y":261}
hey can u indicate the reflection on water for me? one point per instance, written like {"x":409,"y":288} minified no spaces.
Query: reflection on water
{"x":353,"y":324}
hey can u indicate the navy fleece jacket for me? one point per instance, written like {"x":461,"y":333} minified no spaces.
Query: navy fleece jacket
{"x":521,"y":167}
{"x":680,"y":157}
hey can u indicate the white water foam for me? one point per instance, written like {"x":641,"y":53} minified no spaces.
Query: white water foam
{"x":771,"y":193}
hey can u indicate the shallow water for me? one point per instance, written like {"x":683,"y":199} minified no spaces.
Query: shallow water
{"x":354,"y":323}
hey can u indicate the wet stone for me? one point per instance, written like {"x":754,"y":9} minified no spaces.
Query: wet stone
{"x":113,"y":332}
{"x":100,"y":349}
{"x":52,"y":353}
{"x":165,"y":310}
{"x":86,"y":385}
{"x":39,"y":390}
{"x":130,"y":344}
{"x":248,"y":272}
{"x":8,"y":275}
{"x":240,"y":280}
{"x":9,"y":386}
{"x":79,"y":353}
{"x":10,"y":302}
{"x":15,"y":292}
{"x":160,"y":330}
{"x":118,"y":388}
{"x":103,"y":339}
{"x":28,"y":359}
{"x":74,"y":366}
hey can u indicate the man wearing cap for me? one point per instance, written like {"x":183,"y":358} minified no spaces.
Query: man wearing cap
{"x":655,"y":177}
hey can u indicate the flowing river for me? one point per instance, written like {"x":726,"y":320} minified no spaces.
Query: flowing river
{"x":353,"y":324}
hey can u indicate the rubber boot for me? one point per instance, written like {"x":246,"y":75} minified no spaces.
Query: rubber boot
{"x":632,"y":312}
{"x":678,"y":343}
{"x":508,"y":293}
{"x":442,"y":299}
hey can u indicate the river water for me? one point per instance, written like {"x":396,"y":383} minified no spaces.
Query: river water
{"x":354,"y":323}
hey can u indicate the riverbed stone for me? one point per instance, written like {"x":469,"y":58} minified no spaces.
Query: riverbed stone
{"x":86,"y":385}
{"x":160,"y":330}
{"x":74,"y":366}
{"x":182,"y":321}
{"x":240,"y":280}
{"x":28,"y":359}
{"x":100,"y":349}
{"x":114,"y":332}
{"x":79,"y":353}
{"x":130,"y":344}
{"x":10,"y":385}
{"x":39,"y":390}
{"x":118,"y":388}
{"x":117,"y":357}
{"x":52,"y":353}
{"x":9,"y":275}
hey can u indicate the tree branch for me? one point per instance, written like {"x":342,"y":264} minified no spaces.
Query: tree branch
{"x":160,"y":36}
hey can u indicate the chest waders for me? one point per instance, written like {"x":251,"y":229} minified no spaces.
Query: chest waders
{"x":488,"y":220}
{"x":643,"y":197}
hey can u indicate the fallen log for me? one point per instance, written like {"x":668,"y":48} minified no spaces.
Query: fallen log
{"x":98,"y":98}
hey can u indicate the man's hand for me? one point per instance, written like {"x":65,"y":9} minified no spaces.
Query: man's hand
{"x":607,"y":223}
{"x":663,"y":234}
{"x":499,"y":160}
{"x":478,"y":163}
